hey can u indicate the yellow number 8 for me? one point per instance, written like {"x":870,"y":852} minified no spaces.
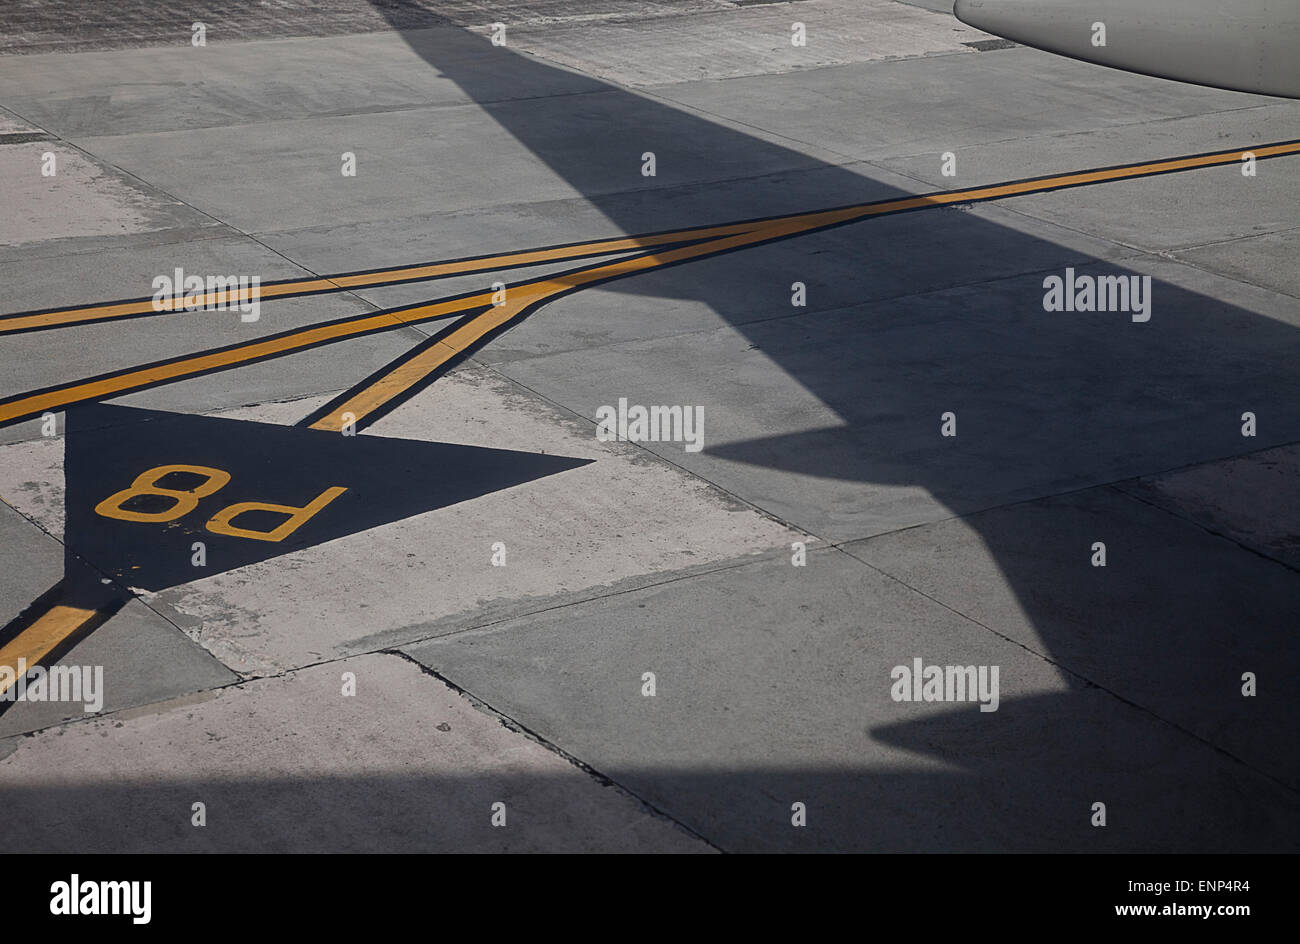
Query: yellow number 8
{"x":146,"y":484}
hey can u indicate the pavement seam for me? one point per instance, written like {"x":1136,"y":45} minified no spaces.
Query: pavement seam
{"x":1062,"y":667}
{"x":360,"y":112}
{"x":173,"y":237}
{"x":516,"y":726}
{"x":519,"y":727}
{"x":243,"y":678}
{"x":24,"y":137}
{"x":706,"y":570}
{"x":1230,"y":240}
{"x":641,"y":447}
{"x":1114,"y":483}
{"x":825,"y":545}
{"x":537,"y":21}
{"x":511,"y":724}
{"x":661,"y":458}
{"x":1168,"y":255}
{"x":875,"y":161}
{"x":232,"y":229}
{"x":1119,"y":489}
{"x":1062,"y":134}
{"x":934,"y":54}
{"x":514,"y":206}
{"x":716,"y":118}
{"x":131,"y":596}
{"x":731,"y":564}
{"x":795,"y":313}
{"x":485,"y":107}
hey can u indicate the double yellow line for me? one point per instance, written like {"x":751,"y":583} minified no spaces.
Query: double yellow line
{"x":318,"y":285}
{"x":521,"y":298}
{"x":393,"y":383}
{"x":51,"y":630}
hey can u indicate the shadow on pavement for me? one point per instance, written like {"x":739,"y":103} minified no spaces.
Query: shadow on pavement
{"x":1048,"y":403}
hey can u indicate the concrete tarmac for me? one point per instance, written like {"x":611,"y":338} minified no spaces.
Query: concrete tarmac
{"x":703,"y":642}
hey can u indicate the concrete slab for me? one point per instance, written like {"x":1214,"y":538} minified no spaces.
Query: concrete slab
{"x":888,"y":258}
{"x":142,"y":658}
{"x":290,"y":764}
{"x":11,"y":124}
{"x":29,"y":574}
{"x":773,"y":680}
{"x":746,"y":40}
{"x":1236,"y":123}
{"x":881,"y":259}
{"x":184,"y":88}
{"x":82,"y":198}
{"x":1232,"y":207}
{"x":88,"y":246}
{"x":1138,"y":627}
{"x":145,"y":660}
{"x":66,"y":27}
{"x":625,"y":517}
{"x":934,"y":6}
{"x":113,"y":271}
{"x":868,"y":111}
{"x":1260,"y":260}
{"x":1226,"y":214}
{"x":427,"y":160}
{"x":755,"y":713}
{"x":831,"y":421}
{"x":1252,"y":499}
{"x":56,"y":275}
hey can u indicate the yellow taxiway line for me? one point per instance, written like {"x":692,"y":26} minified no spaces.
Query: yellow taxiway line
{"x":26,"y":321}
{"x":109,"y":311}
{"x":715,"y":239}
{"x":41,"y":638}
{"x":407,"y":373}
{"x":52,"y":628}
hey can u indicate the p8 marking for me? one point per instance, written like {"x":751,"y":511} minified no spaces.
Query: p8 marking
{"x":132,"y":518}
{"x":147,"y":485}
{"x":144,"y":486}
